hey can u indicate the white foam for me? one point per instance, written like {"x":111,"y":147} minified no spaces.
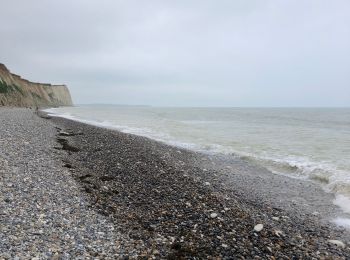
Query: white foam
{"x":146,"y":132}
{"x":343,"y":202}
{"x":343,"y":222}
{"x":303,"y":166}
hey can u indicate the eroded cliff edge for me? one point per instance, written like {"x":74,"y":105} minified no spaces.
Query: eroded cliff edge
{"x":15,"y":91}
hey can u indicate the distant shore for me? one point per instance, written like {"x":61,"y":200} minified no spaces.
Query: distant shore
{"x":152,"y":199}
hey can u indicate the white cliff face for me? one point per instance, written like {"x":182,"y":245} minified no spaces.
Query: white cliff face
{"x":15,"y":91}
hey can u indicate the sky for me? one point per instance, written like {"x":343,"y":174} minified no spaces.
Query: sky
{"x":183,"y":52}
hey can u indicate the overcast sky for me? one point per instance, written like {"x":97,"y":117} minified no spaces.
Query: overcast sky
{"x":183,"y":52}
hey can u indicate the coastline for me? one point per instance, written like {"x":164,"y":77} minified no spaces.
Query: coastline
{"x":306,"y":197}
{"x":157,"y":200}
{"x":171,"y":193}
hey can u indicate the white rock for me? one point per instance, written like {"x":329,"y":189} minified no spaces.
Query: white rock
{"x":213,"y":215}
{"x":207,"y":183}
{"x":278,"y":233}
{"x":337,"y":242}
{"x":224,"y":246}
{"x":258,"y":227}
{"x":63,"y":133}
{"x":276,"y":218}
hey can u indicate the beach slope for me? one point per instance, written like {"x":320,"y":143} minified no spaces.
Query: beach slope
{"x":74,"y":190}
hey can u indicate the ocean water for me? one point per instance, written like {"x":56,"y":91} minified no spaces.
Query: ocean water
{"x":306,"y":143}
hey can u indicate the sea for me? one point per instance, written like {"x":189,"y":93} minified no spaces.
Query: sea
{"x":312,"y":144}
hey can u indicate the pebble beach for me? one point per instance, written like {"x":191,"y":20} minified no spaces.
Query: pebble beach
{"x":75,"y":191}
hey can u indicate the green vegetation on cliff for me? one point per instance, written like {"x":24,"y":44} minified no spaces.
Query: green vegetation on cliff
{"x":4,"y":88}
{"x":15,"y":91}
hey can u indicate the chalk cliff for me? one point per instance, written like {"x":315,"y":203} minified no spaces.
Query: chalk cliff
{"x":15,"y":91}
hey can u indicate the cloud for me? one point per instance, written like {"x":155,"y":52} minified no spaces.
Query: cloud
{"x":231,"y":53}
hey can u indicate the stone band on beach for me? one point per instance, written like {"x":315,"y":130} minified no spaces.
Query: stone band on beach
{"x":71,"y":190}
